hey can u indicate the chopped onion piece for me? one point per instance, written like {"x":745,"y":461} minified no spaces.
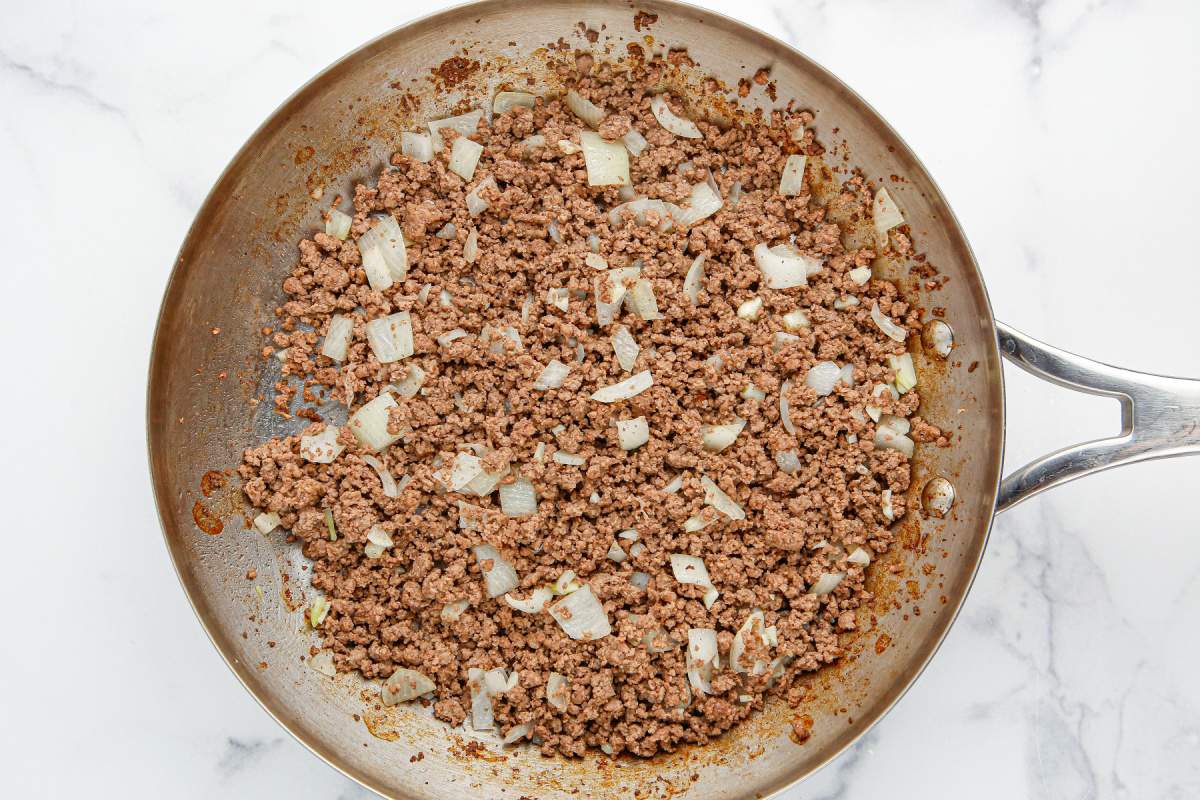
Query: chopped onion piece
{"x":782,"y":269}
{"x":755,"y":624}
{"x":716,"y":438}
{"x":625,"y":347}
{"x":267,"y":522}
{"x":471,"y":246}
{"x":795,"y":320}
{"x":552,"y":376}
{"x":658,"y":641}
{"x":751,"y":309}
{"x":465,"y":124}
{"x":752,"y":392}
{"x":410,"y":384}
{"x":785,"y":410}
{"x":860,"y":275}
{"x":568,"y":459}
{"x":566,"y":583}
{"x":537,"y":140}
{"x":843,"y":303}
{"x":906,"y":374}
{"x":886,"y":216}
{"x":518,"y":499}
{"x":886,"y":504}
{"x":888,"y":439}
{"x":404,"y":685}
{"x":702,"y":658}
{"x":321,"y":448}
{"x":505,"y":101}
{"x":698,"y":522}
{"x":690,"y":569}
{"x":641,"y":208}
{"x":390,"y":489}
{"x":476,"y":204}
{"x":447,"y":231}
{"x":791,"y":182}
{"x":642,"y":302}
{"x":890,"y":329}
{"x":417,"y":146}
{"x":675,"y":485}
{"x":735,"y":194}
{"x":499,"y":577}
{"x":704,"y":201}
{"x":391,"y":337}
{"x":581,"y":616}
{"x":568,"y":147}
{"x":846,"y":374}
{"x":860,"y":557}
{"x":337,"y":337}
{"x":595,"y":261}
{"x":610,"y":289}
{"x":558,"y":691}
{"x":464,"y":157}
{"x":516,"y":733}
{"x":482,"y":716}
{"x":607,"y":163}
{"x":558,"y":297}
{"x":788,"y":461}
{"x":452,"y":611}
{"x":827,"y":583}
{"x":640,"y":579}
{"x":445,"y":299}
{"x":898,"y":424}
{"x":384,"y":258}
{"x":879,"y":390}
{"x":616,"y":553}
{"x":534,"y":604}
{"x":693,"y":279}
{"x":626,"y":389}
{"x":781,"y":340}
{"x":822,"y":377}
{"x":464,"y":469}
{"x":722,"y":502}
{"x":634,"y":142}
{"x":494,"y":338}
{"x":318,"y":611}
{"x":380,"y":538}
{"x":449,"y":336}
{"x":632,"y":433}
{"x":337,"y":224}
{"x":322,"y":662}
{"x":585,"y":109}
{"x":668,"y":119}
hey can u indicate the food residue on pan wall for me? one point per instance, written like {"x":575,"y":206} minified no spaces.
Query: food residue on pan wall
{"x":206,"y":520}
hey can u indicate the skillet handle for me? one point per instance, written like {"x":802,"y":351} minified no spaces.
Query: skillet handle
{"x":1160,"y":416}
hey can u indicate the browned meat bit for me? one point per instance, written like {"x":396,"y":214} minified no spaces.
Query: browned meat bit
{"x":493,"y":299}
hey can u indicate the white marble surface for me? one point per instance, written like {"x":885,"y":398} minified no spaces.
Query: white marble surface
{"x":1063,"y":132}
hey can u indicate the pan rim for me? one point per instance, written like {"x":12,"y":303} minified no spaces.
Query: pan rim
{"x":313,"y":743}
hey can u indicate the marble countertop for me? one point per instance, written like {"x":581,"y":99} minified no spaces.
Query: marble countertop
{"x":1063,"y":133}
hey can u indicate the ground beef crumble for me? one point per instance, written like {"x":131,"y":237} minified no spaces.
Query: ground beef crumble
{"x":386,"y":612}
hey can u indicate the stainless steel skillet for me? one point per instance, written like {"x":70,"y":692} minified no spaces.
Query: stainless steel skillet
{"x":337,"y":130}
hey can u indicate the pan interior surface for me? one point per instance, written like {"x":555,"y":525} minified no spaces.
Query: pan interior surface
{"x":339,"y":130}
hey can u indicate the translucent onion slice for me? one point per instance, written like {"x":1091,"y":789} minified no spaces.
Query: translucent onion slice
{"x":677,"y":125}
{"x":581,"y":616}
{"x":791,"y":182}
{"x":885,"y":324}
{"x":888,"y":439}
{"x":266,"y":522}
{"x":781,"y":340}
{"x":782,"y":270}
{"x":322,"y":662}
{"x":626,"y":389}
{"x":755,"y":625}
{"x":674,"y":485}
{"x":390,"y":489}
{"x":607,"y":163}
{"x":516,"y":733}
{"x":860,"y":275}
{"x":693,"y":279}
{"x":566,"y":583}
{"x":886,"y":215}
{"x":822,"y":377}
{"x":337,"y":337}
{"x":642,"y":208}
{"x":471,"y":246}
{"x":722,"y":502}
{"x":752,"y":392}
{"x":552,"y":376}
{"x":383,"y":245}
{"x":690,"y":569}
{"x":886,"y":504}
{"x":750,"y":310}
{"x":846,"y":374}
{"x":843,"y":303}
{"x":318,"y":611}
{"x":585,"y":109}
{"x":464,"y":157}
{"x":452,"y":611}
{"x":632,"y":433}
{"x":321,"y":448}
{"x":906,"y":374}
{"x":506,"y":101}
{"x":879,"y":390}
{"x":568,"y":459}
{"x":464,"y":469}
{"x":404,"y":685}
{"x":659,"y":641}
{"x":499,"y":577}
{"x":785,"y":410}
{"x":558,"y":691}
{"x":595,"y":261}
{"x":482,"y":716}
{"x":519,"y":498}
{"x":417,"y":146}
{"x":558,"y":297}
{"x":476,"y":204}
{"x":534,"y":604}
{"x":788,"y":461}
{"x":640,"y":580}
{"x":465,"y":124}
{"x":337,"y":224}
{"x":704,"y":201}
{"x":716,"y":438}
{"x":860,"y":557}
{"x":610,"y":289}
{"x":410,"y":384}
{"x":898,"y":424}
{"x":616,"y":553}
{"x":702,"y":658}
{"x":529,"y":142}
{"x":450,"y":336}
{"x":625,"y":347}
{"x":827,"y":583}
{"x":641,"y":300}
{"x":391,"y":337}
{"x":568,"y":147}
{"x":634,"y":142}
{"x":795,"y":320}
